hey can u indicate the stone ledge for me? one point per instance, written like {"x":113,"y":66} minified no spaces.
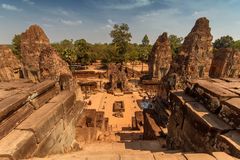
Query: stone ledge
{"x":169,"y":156}
{"x":180,"y":97}
{"x":49,"y":141}
{"x":43,"y":98}
{"x":214,"y":90}
{"x":43,"y":120}
{"x":230,"y":112}
{"x":67,"y":98}
{"x":41,"y":88}
{"x":222,"y":156}
{"x":198,"y":156}
{"x":11,"y":104}
{"x":18,"y":144}
{"x":230,"y":143}
{"x":15,"y":119}
{"x":206,"y":117}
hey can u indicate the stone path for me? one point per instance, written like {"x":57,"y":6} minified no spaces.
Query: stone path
{"x":139,"y":150}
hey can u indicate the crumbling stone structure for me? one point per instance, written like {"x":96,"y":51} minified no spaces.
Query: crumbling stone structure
{"x":51,"y":65}
{"x":117,"y":77}
{"x":160,"y":58}
{"x":91,"y":126}
{"x":205,"y":118}
{"x":10,"y":66}
{"x":32,"y":43}
{"x":39,"y":59}
{"x":36,"y":119}
{"x":193,"y":61}
{"x":197,"y":50}
{"x":225,"y":63}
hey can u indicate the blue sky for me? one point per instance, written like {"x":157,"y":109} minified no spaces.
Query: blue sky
{"x":93,"y":19}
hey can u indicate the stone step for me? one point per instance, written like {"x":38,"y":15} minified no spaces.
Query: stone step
{"x":43,"y":120}
{"x":17,"y":144}
{"x":215,"y":90}
{"x":11,"y":104}
{"x":17,"y":107}
{"x":210,"y":94}
{"x":198,"y":111}
{"x":138,"y":156}
{"x":230,"y":112}
{"x":8,"y":124}
{"x":230,"y":142}
{"x":139,"y":145}
{"x":41,"y":88}
{"x":191,"y":125}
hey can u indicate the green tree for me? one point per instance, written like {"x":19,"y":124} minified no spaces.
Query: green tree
{"x":176,"y":43}
{"x":121,"y":38}
{"x":144,"y":50}
{"x":132,"y":55}
{"x":69,"y":55}
{"x":145,"y":41}
{"x":66,"y":50}
{"x":83,"y":51}
{"x":16,"y":45}
{"x":236,"y":45}
{"x":223,"y":42}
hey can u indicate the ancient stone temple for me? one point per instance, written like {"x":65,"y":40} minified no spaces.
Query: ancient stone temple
{"x":117,"y":77}
{"x":51,"y":65}
{"x":160,"y":58}
{"x":33,"y":40}
{"x":197,"y":48}
{"x":194,"y":59}
{"x":10,"y":66}
{"x":40,"y":60}
{"x":225,"y":63}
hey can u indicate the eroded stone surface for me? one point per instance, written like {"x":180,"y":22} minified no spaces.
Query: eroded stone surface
{"x":161,"y":57}
{"x":10,"y":66}
{"x":207,"y":123}
{"x":225,"y":63}
{"x":39,"y":58}
{"x":51,"y":65}
{"x":192,"y":62}
{"x":18,"y":144}
{"x":32,"y":43}
{"x":43,"y":120}
{"x":230,"y":112}
{"x":229,"y":143}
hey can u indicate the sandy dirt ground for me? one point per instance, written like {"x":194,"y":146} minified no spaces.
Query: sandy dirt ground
{"x":104,"y":102}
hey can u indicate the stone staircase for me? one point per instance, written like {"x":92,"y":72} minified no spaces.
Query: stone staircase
{"x":36,"y":119}
{"x":138,"y":150}
{"x":205,"y":117}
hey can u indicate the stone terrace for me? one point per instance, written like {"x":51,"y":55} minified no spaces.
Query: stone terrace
{"x":205,"y":118}
{"x":36,"y":119}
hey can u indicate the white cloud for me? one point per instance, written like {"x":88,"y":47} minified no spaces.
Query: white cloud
{"x":47,"y":25}
{"x":62,"y":12}
{"x":200,"y":13}
{"x":29,"y":2}
{"x":155,"y":14}
{"x":109,"y":24}
{"x":10,"y":7}
{"x":71,"y":23}
{"x":110,"y":21}
{"x":135,"y":4}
